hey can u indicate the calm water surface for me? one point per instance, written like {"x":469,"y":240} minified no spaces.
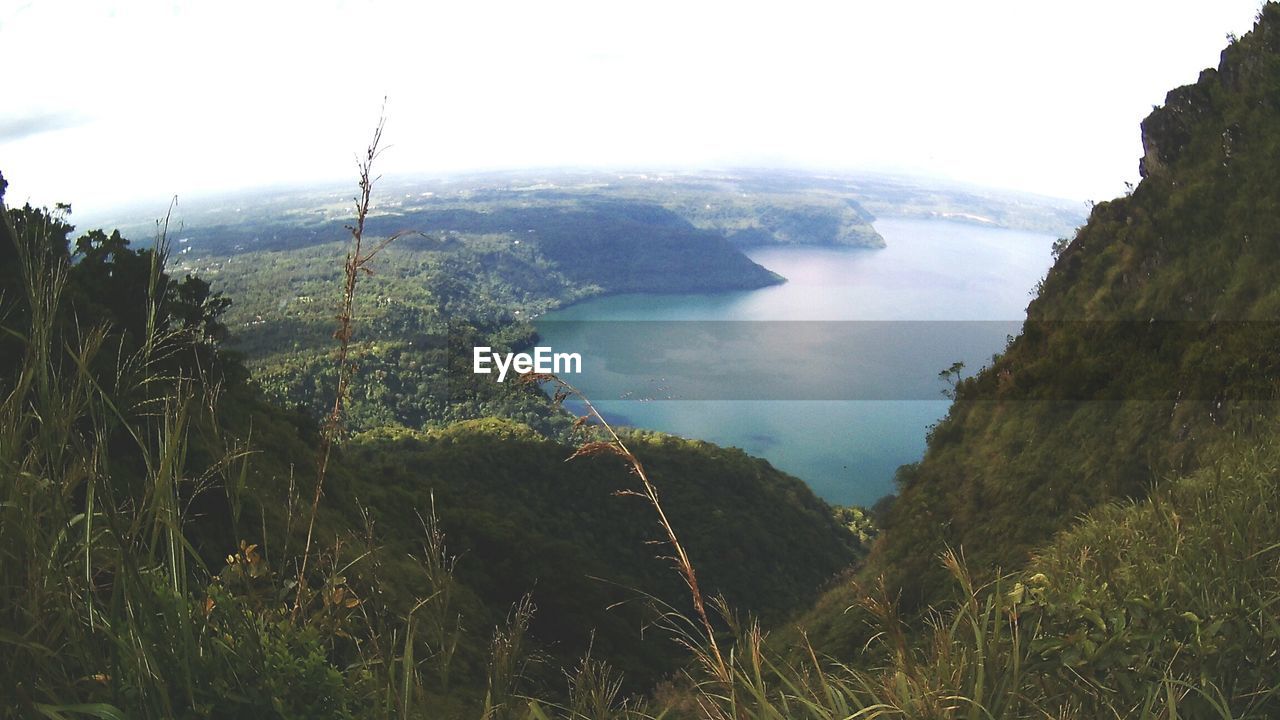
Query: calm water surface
{"x":847,"y":450}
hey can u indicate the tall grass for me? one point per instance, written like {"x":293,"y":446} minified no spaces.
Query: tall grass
{"x":1159,"y":609}
{"x":92,"y":543}
{"x":1153,"y":610}
{"x":703,"y":643}
{"x":357,"y":265}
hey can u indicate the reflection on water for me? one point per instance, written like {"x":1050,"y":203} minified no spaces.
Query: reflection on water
{"x":847,"y":450}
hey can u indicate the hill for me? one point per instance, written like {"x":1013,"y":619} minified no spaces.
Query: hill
{"x":522,"y":520}
{"x":1148,"y":349}
{"x":1091,"y":532}
{"x":191,"y":585}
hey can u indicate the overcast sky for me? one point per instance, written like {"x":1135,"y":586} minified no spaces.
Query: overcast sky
{"x":144,"y":100}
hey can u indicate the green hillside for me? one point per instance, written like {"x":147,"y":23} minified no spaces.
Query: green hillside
{"x":522,"y":520}
{"x":1161,"y":608}
{"x":479,"y":266}
{"x":1092,"y":531}
{"x":156,"y":519}
{"x":1150,"y":343}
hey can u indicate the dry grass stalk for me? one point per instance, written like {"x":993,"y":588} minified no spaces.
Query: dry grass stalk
{"x":613,"y":444}
{"x":357,"y":265}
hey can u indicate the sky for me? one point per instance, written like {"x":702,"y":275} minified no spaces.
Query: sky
{"x":135,"y":102}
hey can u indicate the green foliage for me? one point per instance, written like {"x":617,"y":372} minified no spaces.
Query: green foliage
{"x":480,"y":280}
{"x":1151,"y":342}
{"x":299,"y":678}
{"x":120,"y":499}
{"x":1178,"y":586}
{"x":127,"y":472}
{"x":521,"y":519}
{"x":858,"y":521}
{"x":1154,"y":609}
{"x":99,"y":612}
{"x":112,"y":286}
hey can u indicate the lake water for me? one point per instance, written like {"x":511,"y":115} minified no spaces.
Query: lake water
{"x":869,"y":328}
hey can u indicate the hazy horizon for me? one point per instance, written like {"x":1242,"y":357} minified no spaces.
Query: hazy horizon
{"x":151,"y":99}
{"x":150,"y":208}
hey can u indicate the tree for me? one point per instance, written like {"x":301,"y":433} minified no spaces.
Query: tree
{"x":951,"y":376}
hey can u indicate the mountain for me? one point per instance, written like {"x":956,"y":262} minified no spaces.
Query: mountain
{"x":522,"y":520}
{"x":1149,"y":345}
{"x":614,"y":245}
{"x":516,"y":518}
{"x":1091,"y":532}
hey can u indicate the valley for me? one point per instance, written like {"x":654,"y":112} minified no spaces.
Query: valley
{"x":819,"y":444}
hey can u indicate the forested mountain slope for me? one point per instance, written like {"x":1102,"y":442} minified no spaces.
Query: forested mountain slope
{"x":1151,"y":340}
{"x":190,"y":585}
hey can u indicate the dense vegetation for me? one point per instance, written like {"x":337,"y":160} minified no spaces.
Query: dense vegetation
{"x":481,"y":271}
{"x":155,"y":511}
{"x":1147,"y":354}
{"x":1149,"y":343}
{"x":1157,"y":609}
{"x":521,"y":518}
{"x":1092,"y":532}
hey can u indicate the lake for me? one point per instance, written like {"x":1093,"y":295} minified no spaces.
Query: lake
{"x":831,"y":376}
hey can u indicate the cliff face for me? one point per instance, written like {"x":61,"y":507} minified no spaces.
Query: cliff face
{"x":1152,"y":339}
{"x":1168,"y":129}
{"x":1246,"y":73}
